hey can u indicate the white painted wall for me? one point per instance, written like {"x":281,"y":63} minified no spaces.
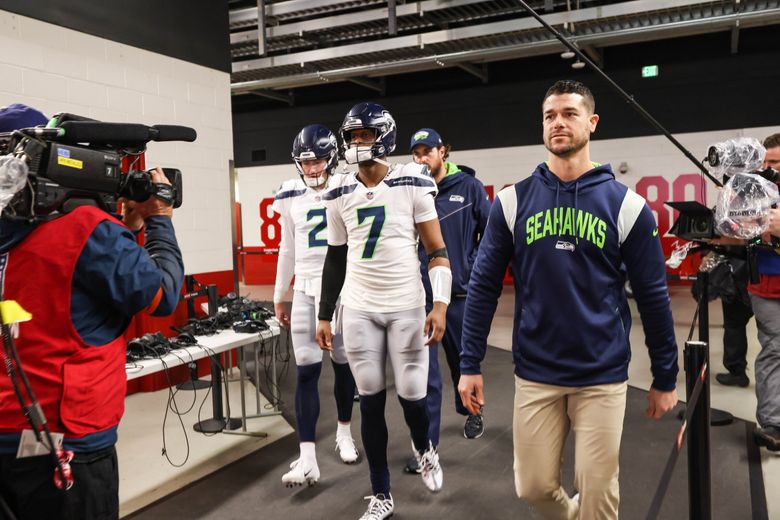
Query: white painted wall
{"x":645,"y":156}
{"x":61,"y":70}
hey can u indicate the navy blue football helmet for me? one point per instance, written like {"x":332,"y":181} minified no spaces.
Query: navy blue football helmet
{"x":374,"y":116}
{"x":315,"y":142}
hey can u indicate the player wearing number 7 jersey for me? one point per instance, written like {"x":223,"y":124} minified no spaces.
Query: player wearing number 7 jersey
{"x":302,"y":253}
{"x":374,"y":218}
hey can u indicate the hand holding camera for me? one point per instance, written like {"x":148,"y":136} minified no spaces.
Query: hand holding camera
{"x":135,"y":213}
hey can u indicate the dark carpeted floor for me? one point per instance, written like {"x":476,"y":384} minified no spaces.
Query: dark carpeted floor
{"x":478,"y":481}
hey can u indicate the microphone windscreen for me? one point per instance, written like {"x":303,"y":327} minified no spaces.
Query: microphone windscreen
{"x":174,"y":133}
{"x":96,"y":132}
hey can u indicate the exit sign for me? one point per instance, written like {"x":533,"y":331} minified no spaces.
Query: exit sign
{"x":650,"y":71}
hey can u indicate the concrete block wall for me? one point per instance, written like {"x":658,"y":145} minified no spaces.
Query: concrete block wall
{"x":56,"y":69}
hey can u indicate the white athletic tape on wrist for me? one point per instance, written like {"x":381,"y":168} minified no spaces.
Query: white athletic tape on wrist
{"x":441,"y":283}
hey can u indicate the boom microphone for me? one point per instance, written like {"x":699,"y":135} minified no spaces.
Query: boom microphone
{"x":96,"y":132}
{"x":132,"y":134}
{"x":173,"y":133}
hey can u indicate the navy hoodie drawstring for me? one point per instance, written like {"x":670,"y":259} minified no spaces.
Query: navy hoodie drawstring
{"x":576,"y":211}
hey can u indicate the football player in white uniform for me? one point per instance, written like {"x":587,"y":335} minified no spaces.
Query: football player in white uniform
{"x":302,"y":253}
{"x":374,"y":218}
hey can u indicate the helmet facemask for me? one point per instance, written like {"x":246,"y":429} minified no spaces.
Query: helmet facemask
{"x":359,"y":152}
{"x":314,"y":181}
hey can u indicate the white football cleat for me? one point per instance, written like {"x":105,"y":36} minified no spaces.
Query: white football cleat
{"x":430,"y":469}
{"x":348,"y":452}
{"x":301,"y":473}
{"x":379,"y":508}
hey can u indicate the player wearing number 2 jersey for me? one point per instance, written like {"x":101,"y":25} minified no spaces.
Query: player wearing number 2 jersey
{"x":374,"y":218}
{"x":302,"y":253}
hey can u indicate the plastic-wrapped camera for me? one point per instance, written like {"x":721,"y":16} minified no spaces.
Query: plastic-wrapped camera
{"x":740,"y":155}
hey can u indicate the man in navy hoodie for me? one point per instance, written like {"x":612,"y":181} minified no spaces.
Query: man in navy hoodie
{"x":572,"y":234}
{"x":463,"y":207}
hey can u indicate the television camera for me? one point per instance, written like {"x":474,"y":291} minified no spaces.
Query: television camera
{"x":73,"y":161}
{"x":744,"y":202}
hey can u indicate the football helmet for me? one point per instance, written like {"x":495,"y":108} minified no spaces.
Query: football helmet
{"x":373,"y":116}
{"x":315,"y":142}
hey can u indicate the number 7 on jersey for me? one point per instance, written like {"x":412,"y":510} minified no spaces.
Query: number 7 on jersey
{"x":377,"y":213}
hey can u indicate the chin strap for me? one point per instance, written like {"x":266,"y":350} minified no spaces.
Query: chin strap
{"x":358,"y":154}
{"x":323,"y":177}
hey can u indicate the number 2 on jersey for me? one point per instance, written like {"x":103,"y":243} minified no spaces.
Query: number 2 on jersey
{"x":314,"y":240}
{"x":377,"y":213}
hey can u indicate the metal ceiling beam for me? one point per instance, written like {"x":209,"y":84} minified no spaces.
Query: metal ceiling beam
{"x":261,"y":27}
{"x":340,"y":20}
{"x":376,"y":86}
{"x":282,"y":8}
{"x":620,"y":37}
{"x":735,"y":38}
{"x":289,"y":98}
{"x":474,"y":31}
{"x":479,"y":72}
{"x":392,"y":18}
{"x":241,"y":16}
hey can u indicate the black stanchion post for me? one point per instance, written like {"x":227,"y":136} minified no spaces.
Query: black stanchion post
{"x":717,"y":417}
{"x":696,"y":356}
{"x":699,"y":500}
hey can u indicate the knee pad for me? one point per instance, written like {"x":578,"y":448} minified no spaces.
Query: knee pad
{"x":307,"y":355}
{"x":412,"y":382}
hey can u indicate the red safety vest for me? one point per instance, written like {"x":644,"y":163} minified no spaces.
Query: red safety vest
{"x":80,"y":387}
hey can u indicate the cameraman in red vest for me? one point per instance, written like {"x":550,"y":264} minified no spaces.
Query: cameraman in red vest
{"x":765,"y":298}
{"x":83,"y":277}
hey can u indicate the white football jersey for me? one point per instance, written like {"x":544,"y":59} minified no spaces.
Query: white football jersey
{"x":304,"y":234}
{"x":378,"y":226}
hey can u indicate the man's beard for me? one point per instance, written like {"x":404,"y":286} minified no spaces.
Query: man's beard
{"x":434,"y":171}
{"x":568,"y":150}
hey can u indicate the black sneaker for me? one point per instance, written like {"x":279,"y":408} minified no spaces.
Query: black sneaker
{"x":729,"y":379}
{"x":474,"y":427}
{"x":768,"y":437}
{"x":413,"y":466}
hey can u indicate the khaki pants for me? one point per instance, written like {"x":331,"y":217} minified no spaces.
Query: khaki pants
{"x":543,"y":415}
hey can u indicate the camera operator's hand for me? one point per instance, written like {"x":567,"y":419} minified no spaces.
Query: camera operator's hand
{"x":774,"y":222}
{"x":134,"y":213}
{"x":726,"y":241}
